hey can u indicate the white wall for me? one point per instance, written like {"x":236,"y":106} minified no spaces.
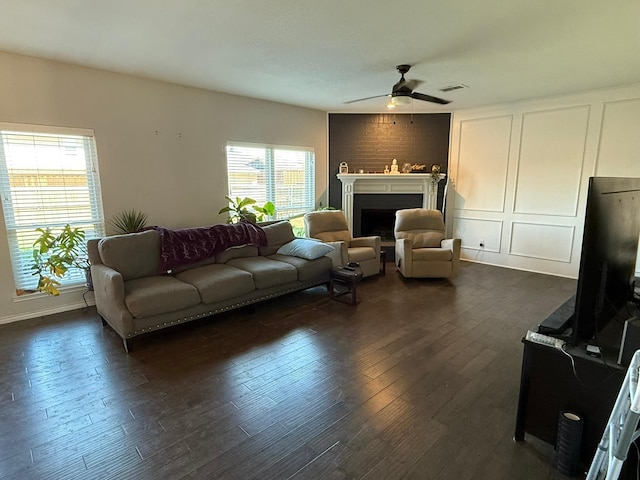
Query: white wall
{"x":519,"y":174}
{"x":160,"y":146}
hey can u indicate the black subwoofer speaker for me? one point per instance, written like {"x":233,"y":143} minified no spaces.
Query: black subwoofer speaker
{"x":568,"y":443}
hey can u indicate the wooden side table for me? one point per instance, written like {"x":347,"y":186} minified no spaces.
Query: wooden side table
{"x":343,"y":284}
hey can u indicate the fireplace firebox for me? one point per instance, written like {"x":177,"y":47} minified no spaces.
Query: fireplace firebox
{"x":375,"y":214}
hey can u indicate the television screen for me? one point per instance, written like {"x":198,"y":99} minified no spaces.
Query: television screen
{"x":609,"y":253}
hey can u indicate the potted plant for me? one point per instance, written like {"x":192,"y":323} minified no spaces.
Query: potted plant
{"x":238,"y":210}
{"x":129,"y":221}
{"x":54,"y":255}
{"x":265,"y":211}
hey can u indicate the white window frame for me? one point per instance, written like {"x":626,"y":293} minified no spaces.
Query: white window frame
{"x":272,"y":189}
{"x":23,"y":216}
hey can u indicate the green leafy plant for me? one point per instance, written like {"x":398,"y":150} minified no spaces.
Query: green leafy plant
{"x":246,"y":209}
{"x":265,"y":211}
{"x":54,"y":255}
{"x":129,"y":221}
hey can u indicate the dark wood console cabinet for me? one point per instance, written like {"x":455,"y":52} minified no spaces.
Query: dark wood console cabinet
{"x":548,"y":385}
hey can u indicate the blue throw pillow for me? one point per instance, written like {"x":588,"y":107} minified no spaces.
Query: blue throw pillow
{"x":305,"y":248}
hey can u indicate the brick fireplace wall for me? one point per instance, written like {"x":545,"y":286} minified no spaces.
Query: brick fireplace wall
{"x":371,"y":141}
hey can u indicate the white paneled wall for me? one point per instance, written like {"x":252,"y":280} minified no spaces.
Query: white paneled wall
{"x":483,"y":160}
{"x":619,"y":152}
{"x":549,"y":165}
{"x":543,"y":241}
{"x":519,"y":174}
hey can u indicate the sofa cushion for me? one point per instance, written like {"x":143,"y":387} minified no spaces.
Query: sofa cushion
{"x":134,"y":255}
{"x":432,"y":254}
{"x":182,"y":268}
{"x":307,"y":269}
{"x":277,"y":234}
{"x":422,"y":239}
{"x":266,"y":271}
{"x":158,"y":294}
{"x":305,"y":248}
{"x":218,"y":282}
{"x":237,"y":252}
{"x":335,"y":236}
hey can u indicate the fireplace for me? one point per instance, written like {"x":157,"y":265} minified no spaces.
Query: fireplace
{"x":384,"y":192}
{"x":375,"y":214}
{"x":377,"y":222}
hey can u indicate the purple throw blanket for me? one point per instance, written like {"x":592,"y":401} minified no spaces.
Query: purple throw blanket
{"x":191,"y":245}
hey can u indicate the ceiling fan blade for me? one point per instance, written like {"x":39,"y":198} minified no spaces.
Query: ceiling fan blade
{"x":413,"y":84}
{"x":367,"y":98}
{"x":429,"y":98}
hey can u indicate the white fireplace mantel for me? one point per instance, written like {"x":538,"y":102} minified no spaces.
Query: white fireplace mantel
{"x":384,"y":183}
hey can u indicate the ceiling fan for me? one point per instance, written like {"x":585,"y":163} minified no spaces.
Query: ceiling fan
{"x":402,"y":92}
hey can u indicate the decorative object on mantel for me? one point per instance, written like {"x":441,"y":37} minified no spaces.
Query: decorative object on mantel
{"x":344,"y":167}
{"x":435,"y":174}
{"x":386,"y":169}
{"x":418,"y":168}
{"x":406,"y":168}
{"x":394,"y":167}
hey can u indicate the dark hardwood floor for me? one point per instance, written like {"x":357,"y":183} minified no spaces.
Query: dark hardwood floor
{"x":419,"y":381}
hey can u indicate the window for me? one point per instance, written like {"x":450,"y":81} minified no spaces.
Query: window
{"x":282,"y":175}
{"x":48,"y":178}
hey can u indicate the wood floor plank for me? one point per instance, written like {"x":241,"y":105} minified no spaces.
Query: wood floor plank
{"x":420,"y":380}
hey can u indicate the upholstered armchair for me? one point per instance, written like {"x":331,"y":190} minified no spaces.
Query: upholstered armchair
{"x":331,"y":227}
{"x":421,"y":249}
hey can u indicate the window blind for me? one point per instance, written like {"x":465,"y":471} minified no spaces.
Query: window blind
{"x":47,"y":180}
{"x":282,"y":175}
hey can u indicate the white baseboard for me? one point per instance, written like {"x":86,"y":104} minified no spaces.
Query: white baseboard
{"x":46,"y":311}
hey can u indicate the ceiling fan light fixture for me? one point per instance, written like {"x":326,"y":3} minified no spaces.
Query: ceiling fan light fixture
{"x":401,"y":100}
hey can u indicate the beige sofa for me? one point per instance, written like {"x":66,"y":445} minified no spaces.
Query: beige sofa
{"x":134,"y":299}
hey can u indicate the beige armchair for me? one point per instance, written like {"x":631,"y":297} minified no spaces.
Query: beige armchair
{"x":421,"y":249}
{"x":331,"y":227}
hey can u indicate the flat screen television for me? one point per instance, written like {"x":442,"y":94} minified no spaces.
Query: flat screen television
{"x":608,"y":257}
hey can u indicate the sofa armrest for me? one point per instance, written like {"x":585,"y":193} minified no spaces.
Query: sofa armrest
{"x":108,"y":287}
{"x":373,"y":242}
{"x":404,"y":257}
{"x":453,"y":244}
{"x":340,"y":254}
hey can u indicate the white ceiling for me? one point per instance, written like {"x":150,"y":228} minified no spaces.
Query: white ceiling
{"x":321,"y":53}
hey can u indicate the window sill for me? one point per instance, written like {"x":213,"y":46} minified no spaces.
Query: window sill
{"x":66,"y":290}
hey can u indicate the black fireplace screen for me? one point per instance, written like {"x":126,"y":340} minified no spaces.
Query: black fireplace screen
{"x":377,"y":222}
{"x":375,"y":214}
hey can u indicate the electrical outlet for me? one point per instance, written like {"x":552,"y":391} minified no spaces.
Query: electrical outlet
{"x":481,"y":243}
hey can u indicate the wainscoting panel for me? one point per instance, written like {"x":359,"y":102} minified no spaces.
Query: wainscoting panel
{"x":482,"y":163}
{"x":474,"y":231}
{"x":542,"y":241}
{"x":619,"y":153}
{"x":551,"y":160}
